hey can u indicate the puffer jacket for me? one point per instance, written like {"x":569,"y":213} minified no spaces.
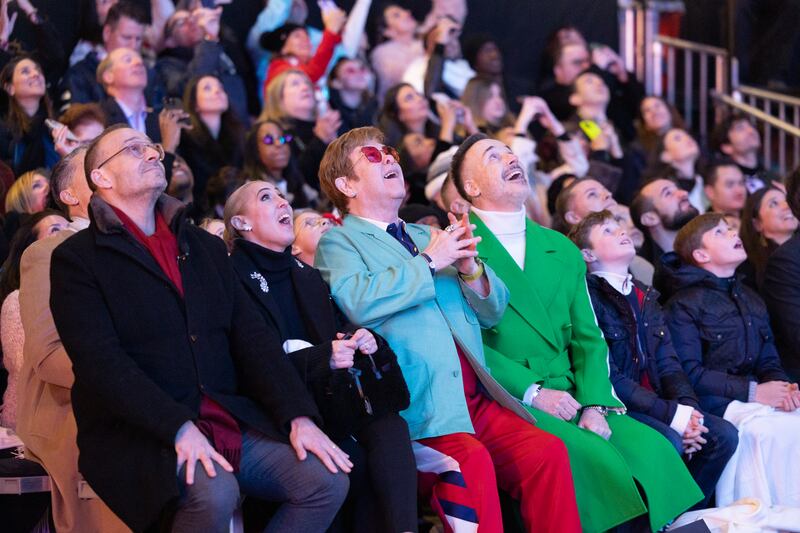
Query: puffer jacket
{"x":721,"y":331}
{"x":629,"y":358}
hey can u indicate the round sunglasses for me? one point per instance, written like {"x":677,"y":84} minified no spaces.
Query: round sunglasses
{"x":279,"y":141}
{"x":375,"y":154}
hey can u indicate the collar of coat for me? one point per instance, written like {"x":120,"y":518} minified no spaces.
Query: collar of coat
{"x":105,"y":220}
{"x":533,"y":287}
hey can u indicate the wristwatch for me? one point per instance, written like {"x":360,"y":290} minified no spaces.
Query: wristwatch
{"x":431,"y":264}
{"x":537,"y":389}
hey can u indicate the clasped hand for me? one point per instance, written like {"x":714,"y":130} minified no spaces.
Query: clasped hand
{"x":456,"y":246}
{"x":343,"y":350}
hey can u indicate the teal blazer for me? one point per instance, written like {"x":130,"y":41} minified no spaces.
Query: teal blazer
{"x":379,"y":285}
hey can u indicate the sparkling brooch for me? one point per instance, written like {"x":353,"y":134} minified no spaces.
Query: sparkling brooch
{"x":261,"y":281}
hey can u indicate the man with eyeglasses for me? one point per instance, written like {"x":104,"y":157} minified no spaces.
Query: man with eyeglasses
{"x":174,"y":366}
{"x":424,"y":291}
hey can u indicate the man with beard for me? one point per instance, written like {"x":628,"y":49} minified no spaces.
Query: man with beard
{"x":660,"y":209}
{"x":549,"y":353}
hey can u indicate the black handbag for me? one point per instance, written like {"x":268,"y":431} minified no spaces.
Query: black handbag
{"x":351,"y":398}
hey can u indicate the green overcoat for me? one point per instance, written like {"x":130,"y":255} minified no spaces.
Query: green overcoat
{"x":549,"y":335}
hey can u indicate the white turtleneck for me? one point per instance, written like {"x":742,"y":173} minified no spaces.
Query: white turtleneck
{"x":622,"y":282}
{"x":509,"y":229}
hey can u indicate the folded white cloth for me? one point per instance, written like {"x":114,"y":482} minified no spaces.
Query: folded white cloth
{"x":748,"y":515}
{"x":766,"y":465}
{"x":292,"y":345}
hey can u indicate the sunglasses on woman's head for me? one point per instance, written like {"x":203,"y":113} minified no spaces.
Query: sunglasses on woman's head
{"x":375,"y":154}
{"x":283,"y":139}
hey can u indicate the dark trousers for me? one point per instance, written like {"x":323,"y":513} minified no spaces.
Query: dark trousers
{"x":706,"y":465}
{"x":308,"y":493}
{"x":383,"y":483}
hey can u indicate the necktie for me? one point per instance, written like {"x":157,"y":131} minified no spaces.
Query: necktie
{"x":398,"y":231}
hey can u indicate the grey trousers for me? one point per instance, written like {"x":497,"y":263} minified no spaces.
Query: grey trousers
{"x":269,"y":470}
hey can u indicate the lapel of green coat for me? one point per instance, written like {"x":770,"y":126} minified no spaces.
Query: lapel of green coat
{"x":522,"y":285}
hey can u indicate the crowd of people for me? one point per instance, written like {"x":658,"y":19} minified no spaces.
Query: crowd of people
{"x":335,"y":270}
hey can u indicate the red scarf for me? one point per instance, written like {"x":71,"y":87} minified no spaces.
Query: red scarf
{"x":219,"y":427}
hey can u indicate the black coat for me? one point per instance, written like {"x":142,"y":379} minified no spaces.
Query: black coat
{"x":657,"y":356}
{"x":323,"y":319}
{"x":782,"y":293}
{"x":144,"y":356}
{"x":720,"y":328}
{"x":206,"y":156}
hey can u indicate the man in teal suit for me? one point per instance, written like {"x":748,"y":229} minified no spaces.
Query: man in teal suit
{"x":429,"y":297}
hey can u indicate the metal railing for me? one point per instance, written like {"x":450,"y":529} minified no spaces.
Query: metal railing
{"x":666,"y":53}
{"x":784,"y":108}
{"x":769,"y":123}
{"x":689,"y":75}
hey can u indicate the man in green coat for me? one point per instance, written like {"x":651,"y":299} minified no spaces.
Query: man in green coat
{"x":549,"y":352}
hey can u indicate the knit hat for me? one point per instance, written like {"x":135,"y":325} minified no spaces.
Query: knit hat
{"x":437,"y":172}
{"x":473,"y":44}
{"x":273,"y":41}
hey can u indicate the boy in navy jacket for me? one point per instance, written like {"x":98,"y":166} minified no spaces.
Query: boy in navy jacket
{"x":644,"y":369}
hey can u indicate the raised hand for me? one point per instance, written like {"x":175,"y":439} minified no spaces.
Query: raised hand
{"x":327,"y":126}
{"x":333,"y":19}
{"x":171,"y":122}
{"x":447,"y":247}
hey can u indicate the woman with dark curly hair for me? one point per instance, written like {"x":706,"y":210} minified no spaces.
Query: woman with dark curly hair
{"x":268,"y":157}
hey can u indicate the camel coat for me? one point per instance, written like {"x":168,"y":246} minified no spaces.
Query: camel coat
{"x":46,"y":423}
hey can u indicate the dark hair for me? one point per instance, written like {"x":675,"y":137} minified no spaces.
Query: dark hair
{"x":721,"y":132}
{"x":458,"y":161}
{"x":92,"y":158}
{"x":579,"y":234}
{"x":221,"y":185}
{"x":792,"y":183}
{"x":63,"y":174}
{"x":711,"y":172}
{"x":24,"y":237}
{"x":559,"y":222}
{"x":253,"y":168}
{"x":758,"y":247}
{"x":649,"y":139}
{"x":229,"y":145}
{"x":690,"y":237}
{"x":79,"y":113}
{"x":17,"y":120}
{"x":127,"y":9}
{"x":389,"y":117}
{"x":640,"y":205}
